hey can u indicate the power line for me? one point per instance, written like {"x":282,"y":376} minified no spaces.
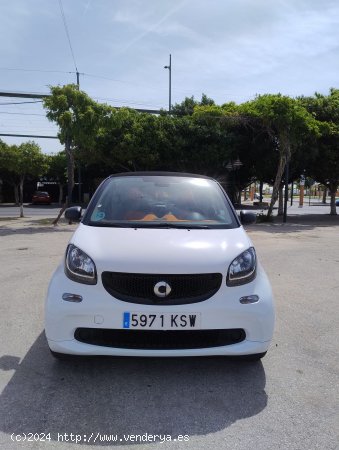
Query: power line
{"x":35,"y":70}
{"x":28,"y":95}
{"x":29,"y":135}
{"x":20,"y":103}
{"x":67,"y":32}
{"x":22,"y":114}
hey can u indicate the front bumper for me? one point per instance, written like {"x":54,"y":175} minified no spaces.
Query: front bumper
{"x":99,"y":309}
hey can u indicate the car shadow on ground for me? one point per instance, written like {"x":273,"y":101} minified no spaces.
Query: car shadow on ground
{"x":174,"y":396}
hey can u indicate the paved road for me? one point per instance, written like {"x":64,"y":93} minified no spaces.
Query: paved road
{"x":287,"y":401}
{"x":29,"y":210}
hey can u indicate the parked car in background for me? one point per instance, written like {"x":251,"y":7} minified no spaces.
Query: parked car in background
{"x":160,"y":265}
{"x":337,"y":201}
{"x":41,"y":198}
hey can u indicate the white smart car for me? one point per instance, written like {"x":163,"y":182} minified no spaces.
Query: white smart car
{"x":160,"y":265}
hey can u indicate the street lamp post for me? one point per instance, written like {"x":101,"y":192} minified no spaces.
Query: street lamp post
{"x":169,"y":67}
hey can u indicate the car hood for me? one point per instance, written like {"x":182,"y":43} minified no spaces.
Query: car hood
{"x":149,"y":250}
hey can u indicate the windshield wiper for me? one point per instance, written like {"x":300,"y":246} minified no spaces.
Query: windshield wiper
{"x":149,"y":225}
{"x":170,"y":225}
{"x":111,"y":225}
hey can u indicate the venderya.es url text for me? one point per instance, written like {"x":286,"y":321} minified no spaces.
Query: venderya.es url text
{"x":97,"y":437}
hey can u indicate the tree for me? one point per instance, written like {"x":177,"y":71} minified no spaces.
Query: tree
{"x":186,"y":107}
{"x":127,"y":140}
{"x":30,"y":161}
{"x":287,"y":123}
{"x":57,"y":170}
{"x":22,"y":161}
{"x":7,"y":163}
{"x":324,"y":167}
{"x":213,"y":140}
{"x":79,"y":119}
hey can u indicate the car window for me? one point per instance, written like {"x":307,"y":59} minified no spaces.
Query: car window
{"x":154,"y":200}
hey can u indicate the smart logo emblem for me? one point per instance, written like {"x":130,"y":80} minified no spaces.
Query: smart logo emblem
{"x":162,"y":289}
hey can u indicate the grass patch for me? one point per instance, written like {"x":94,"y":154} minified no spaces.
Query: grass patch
{"x":4,"y":219}
{"x":43,"y":221}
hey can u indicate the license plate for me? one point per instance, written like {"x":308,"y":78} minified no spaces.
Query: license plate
{"x":161,"y":321}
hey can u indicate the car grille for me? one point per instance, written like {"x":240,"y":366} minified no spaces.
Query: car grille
{"x":159,"y":340}
{"x":139,"y":287}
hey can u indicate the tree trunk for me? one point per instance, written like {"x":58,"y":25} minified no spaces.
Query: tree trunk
{"x":324,"y":194}
{"x":333,"y":190}
{"x":281,"y":200}
{"x":285,"y":156}
{"x":70,"y":171}
{"x":55,"y":221}
{"x":275,"y":193}
{"x":21,"y":200}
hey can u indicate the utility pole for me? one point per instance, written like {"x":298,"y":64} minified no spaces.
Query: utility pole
{"x":79,"y":168}
{"x":169,"y":67}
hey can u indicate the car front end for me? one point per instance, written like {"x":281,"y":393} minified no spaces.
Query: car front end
{"x":156,"y":288}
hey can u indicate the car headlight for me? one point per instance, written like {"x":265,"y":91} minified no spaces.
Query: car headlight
{"x":79,"y":266}
{"x":242,"y":269}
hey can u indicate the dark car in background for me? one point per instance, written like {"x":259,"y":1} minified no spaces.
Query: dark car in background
{"x":41,"y":198}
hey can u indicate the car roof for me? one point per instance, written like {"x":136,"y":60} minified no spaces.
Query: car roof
{"x":159,"y":174}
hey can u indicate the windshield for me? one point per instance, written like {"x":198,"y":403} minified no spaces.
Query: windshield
{"x":154,"y":201}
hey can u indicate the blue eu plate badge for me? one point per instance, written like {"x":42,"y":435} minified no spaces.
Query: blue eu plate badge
{"x":126,"y":319}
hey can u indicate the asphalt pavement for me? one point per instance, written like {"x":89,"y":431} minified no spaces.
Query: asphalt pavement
{"x":10,"y":210}
{"x":287,"y":401}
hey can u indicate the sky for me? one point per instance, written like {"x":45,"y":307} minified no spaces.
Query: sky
{"x":231,"y":50}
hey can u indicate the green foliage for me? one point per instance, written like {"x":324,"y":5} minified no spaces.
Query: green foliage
{"x":23,"y":160}
{"x":57,"y":167}
{"x":202,"y":137}
{"x":324,"y":165}
{"x":287,"y":123}
{"x":78,"y":116}
{"x":19,"y":162}
{"x":187,"y":106}
{"x":30,"y":160}
{"x":283,"y":117}
{"x":7,"y":158}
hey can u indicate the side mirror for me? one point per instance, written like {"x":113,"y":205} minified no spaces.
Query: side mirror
{"x":247,"y":218}
{"x":73,"y":214}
